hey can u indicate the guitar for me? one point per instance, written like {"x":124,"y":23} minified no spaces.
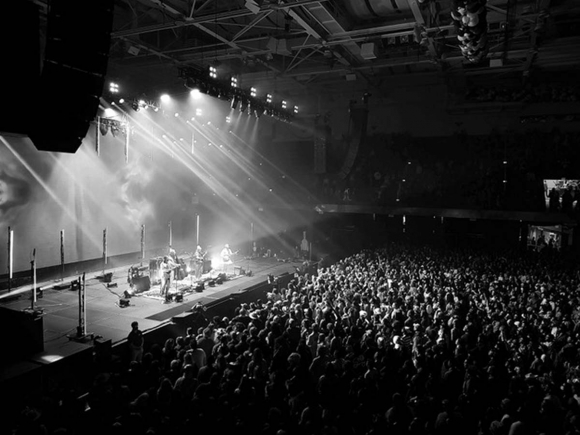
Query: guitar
{"x":227,"y":258}
{"x":199,"y":259}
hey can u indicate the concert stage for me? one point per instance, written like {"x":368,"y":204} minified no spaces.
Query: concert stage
{"x":108,"y":319}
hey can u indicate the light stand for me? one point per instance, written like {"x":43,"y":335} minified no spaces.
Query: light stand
{"x":62,"y":255}
{"x":33,"y":274}
{"x":104,"y":251}
{"x":82,"y":335}
{"x":10,"y":259}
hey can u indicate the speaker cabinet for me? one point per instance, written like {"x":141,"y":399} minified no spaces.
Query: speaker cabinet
{"x":73,"y":75}
{"x":142,"y":284}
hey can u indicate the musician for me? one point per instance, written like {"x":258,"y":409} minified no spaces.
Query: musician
{"x":167,"y":267}
{"x":198,"y":258}
{"x":173,"y":255}
{"x":226,"y":257}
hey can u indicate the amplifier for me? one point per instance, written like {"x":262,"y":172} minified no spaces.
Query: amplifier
{"x":141,"y":284}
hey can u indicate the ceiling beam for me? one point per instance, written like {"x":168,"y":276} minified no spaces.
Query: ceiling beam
{"x":252,"y":24}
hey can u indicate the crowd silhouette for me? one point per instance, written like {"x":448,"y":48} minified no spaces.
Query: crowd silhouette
{"x":399,"y":340}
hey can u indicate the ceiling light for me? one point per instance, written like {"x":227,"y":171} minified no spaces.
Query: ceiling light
{"x":213,"y":72}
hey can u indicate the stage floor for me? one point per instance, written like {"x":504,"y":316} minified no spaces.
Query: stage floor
{"x":107,"y":319}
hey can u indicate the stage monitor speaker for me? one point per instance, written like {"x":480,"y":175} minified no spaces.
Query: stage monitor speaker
{"x":123,"y":302}
{"x":179,"y":297}
{"x":142,"y":284}
{"x":73,"y":75}
{"x":199,"y":287}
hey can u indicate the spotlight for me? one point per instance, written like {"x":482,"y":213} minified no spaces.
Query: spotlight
{"x":284,"y":104}
{"x":213,"y":72}
{"x":109,"y":113}
{"x":244,"y":105}
{"x":113,"y":88}
{"x":253,"y":92}
{"x":176,"y":115}
{"x":234,"y":82}
{"x":296,"y":110}
{"x":213,"y":91}
{"x":235,"y":102}
{"x":228,"y":119}
{"x":195,"y":93}
{"x":164,"y":98}
{"x":197,"y":112}
{"x":269,"y":98}
{"x":121,"y":101}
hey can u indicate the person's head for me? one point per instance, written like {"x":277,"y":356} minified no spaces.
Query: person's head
{"x":227,"y":246}
{"x":135,"y":325}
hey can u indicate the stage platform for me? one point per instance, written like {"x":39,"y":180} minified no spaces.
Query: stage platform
{"x":107,"y":319}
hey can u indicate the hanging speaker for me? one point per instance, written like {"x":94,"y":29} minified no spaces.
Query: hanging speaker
{"x":73,"y":75}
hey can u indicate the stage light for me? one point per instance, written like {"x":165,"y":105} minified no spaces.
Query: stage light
{"x":155,"y":109}
{"x":253,"y":92}
{"x":284,"y":104}
{"x":228,"y":119}
{"x":269,"y":98}
{"x":109,"y":112}
{"x":197,"y":112}
{"x":195,"y":93}
{"x":121,"y":101}
{"x":296,"y":110}
{"x":213,"y":91}
{"x":234,"y":82}
{"x":164,"y":98}
{"x":113,"y":88}
{"x":235,"y":102}
{"x":176,"y":115}
{"x":244,"y":105}
{"x":213,"y":72}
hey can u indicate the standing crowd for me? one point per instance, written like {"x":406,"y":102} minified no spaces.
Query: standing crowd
{"x":399,"y":340}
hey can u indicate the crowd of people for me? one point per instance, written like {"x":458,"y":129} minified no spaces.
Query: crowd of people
{"x":502,"y":171}
{"x":398,"y":340}
{"x":540,"y":93}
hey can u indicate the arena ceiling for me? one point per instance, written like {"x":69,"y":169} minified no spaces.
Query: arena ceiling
{"x":301,"y":46}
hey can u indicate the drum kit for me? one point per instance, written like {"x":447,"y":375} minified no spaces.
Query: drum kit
{"x":140,"y":281}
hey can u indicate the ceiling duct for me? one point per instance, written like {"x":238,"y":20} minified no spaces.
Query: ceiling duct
{"x":373,"y":9}
{"x":368,"y":51}
{"x":278,"y":46}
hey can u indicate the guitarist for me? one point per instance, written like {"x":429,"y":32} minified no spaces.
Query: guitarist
{"x":227,"y":255}
{"x":167,"y":267}
{"x":198,"y":259}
